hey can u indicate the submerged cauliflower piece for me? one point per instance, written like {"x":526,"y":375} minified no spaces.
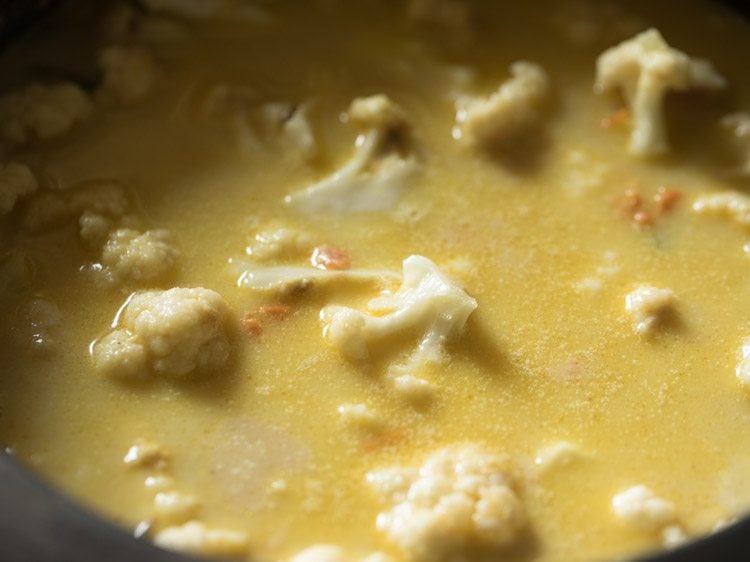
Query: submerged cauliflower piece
{"x":16,"y":182}
{"x":195,"y":538}
{"x":640,"y":507}
{"x":128,"y":74}
{"x":427,"y":301}
{"x":515,"y":110}
{"x":557,"y":456}
{"x":743,"y":367}
{"x":730,"y":204}
{"x":461,"y":499}
{"x":98,"y":200}
{"x":172,"y":333}
{"x":130,"y":255}
{"x":738,"y":126}
{"x":647,"y":306}
{"x":644,"y":68}
{"x":42,"y":111}
{"x":283,"y":242}
{"x":376,"y":176}
{"x":257,"y":124}
{"x":333,"y":553}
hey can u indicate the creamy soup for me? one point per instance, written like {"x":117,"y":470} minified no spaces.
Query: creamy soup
{"x":397,"y":281}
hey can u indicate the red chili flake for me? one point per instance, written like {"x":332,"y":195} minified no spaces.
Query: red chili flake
{"x":251,"y":325}
{"x":666,"y":198}
{"x":278,"y":311}
{"x":618,"y":119}
{"x":330,"y":257}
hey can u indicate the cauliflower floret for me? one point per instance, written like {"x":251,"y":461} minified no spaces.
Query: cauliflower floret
{"x":644,"y":68}
{"x":427,"y":301}
{"x":128,"y":74}
{"x":38,"y":322}
{"x":738,"y":125}
{"x":555,"y":456}
{"x":647,"y":306}
{"x":42,"y":111}
{"x":333,"y":553}
{"x":514,"y":111}
{"x":640,"y":507}
{"x":257,"y":125}
{"x":460,"y":499}
{"x":731,"y":204}
{"x":194,"y":538}
{"x":16,"y":182}
{"x":743,"y":367}
{"x":130,"y":255}
{"x":171,"y":333}
{"x":376,"y":176}
{"x":278,"y":243}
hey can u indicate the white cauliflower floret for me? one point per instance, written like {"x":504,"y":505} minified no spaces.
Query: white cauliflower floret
{"x":644,"y":68}
{"x":647,"y":306}
{"x":128,"y":74}
{"x":333,"y":553}
{"x":743,"y":367}
{"x":376,"y":176}
{"x":194,"y":538}
{"x":555,"y":456}
{"x":258,"y":125}
{"x":130,"y":255}
{"x":171,"y":333}
{"x":16,"y":182}
{"x":514,"y":111}
{"x":640,"y":507}
{"x":730,"y":204}
{"x":278,"y":243}
{"x":738,"y":125}
{"x":42,"y":111}
{"x":461,"y":499}
{"x":427,"y":301}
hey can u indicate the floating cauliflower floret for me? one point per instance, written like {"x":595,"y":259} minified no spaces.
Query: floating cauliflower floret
{"x":556,"y":456}
{"x":640,"y":508}
{"x":376,"y":176}
{"x":128,"y":74}
{"x":277,"y":243}
{"x":648,"y":306}
{"x":730,"y":204}
{"x":145,"y":453}
{"x":195,"y":538}
{"x":461,"y":499}
{"x":644,"y":68}
{"x":333,"y":553}
{"x":427,"y":301}
{"x":743,"y":367}
{"x":42,"y":111}
{"x":130,"y":255}
{"x":171,"y":333}
{"x":514,"y":111}
{"x":16,"y":182}
{"x":174,"y":507}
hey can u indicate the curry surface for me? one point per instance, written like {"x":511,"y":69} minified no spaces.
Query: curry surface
{"x":539,"y":362}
